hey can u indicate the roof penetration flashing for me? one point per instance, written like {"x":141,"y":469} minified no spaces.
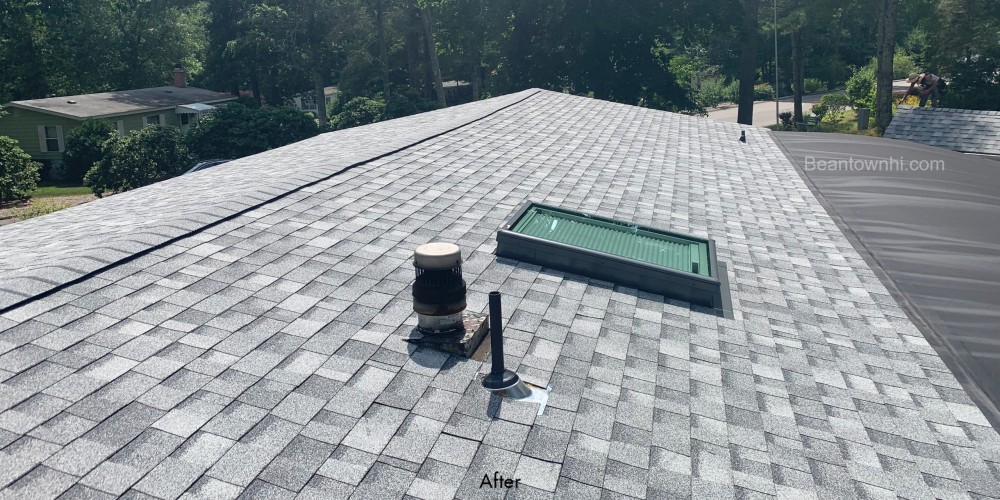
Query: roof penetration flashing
{"x":677,"y":266}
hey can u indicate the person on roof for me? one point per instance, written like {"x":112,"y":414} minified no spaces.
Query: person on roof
{"x":931,"y":86}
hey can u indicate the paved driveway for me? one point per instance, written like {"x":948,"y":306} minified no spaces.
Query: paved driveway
{"x":763,"y":111}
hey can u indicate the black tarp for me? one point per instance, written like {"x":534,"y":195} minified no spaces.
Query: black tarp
{"x":931,"y":229}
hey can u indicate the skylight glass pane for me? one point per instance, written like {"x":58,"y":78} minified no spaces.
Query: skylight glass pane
{"x":616,"y":238}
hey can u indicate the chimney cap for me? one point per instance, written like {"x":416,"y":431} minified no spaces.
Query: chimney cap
{"x":437,"y":256}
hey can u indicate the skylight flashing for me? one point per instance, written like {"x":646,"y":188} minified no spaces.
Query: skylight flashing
{"x":675,"y":265}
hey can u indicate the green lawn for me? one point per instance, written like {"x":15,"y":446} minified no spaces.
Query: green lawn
{"x":53,"y":190}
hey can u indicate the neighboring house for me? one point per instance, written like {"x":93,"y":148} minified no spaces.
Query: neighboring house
{"x":41,"y":125}
{"x":457,"y":92}
{"x":306,"y":101}
{"x":962,"y":130}
{"x":241,"y":330}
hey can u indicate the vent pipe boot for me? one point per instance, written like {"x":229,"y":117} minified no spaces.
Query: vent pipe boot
{"x":439,"y":299}
{"x":500,"y":380}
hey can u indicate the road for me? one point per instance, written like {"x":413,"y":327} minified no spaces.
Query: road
{"x":763,"y":111}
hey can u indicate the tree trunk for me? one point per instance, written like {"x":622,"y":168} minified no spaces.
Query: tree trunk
{"x":748,"y":62}
{"x":433,"y":57}
{"x":255,"y":87}
{"x":797,"y":76}
{"x":383,"y":57}
{"x":318,"y":88}
{"x":477,"y":82}
{"x":412,"y":43}
{"x":885,"y":46}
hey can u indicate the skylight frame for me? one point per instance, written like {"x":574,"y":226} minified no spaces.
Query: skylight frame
{"x":697,"y":289}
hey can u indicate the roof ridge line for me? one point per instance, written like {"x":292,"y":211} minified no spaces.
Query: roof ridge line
{"x":186,"y":234}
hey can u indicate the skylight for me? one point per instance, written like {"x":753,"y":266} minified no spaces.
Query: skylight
{"x":675,"y":265}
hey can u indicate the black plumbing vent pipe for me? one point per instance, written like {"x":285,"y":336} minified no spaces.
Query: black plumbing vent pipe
{"x":499,"y":378}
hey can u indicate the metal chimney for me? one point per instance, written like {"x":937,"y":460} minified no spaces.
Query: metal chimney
{"x":439,"y":290}
{"x":439,"y":299}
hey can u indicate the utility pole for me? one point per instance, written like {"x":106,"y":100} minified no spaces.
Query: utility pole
{"x":777,"y":92}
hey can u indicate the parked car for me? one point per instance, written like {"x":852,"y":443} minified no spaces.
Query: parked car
{"x":202,"y":165}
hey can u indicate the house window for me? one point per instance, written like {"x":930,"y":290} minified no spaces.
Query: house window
{"x":185,"y":119}
{"x":50,"y":138}
{"x":153,"y":120}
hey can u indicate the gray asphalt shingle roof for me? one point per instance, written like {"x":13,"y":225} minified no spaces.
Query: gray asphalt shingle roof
{"x":121,"y":102}
{"x":263,"y":355}
{"x":963,"y":130}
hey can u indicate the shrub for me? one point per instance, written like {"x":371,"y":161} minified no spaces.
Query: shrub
{"x":861,"y":87}
{"x":710,"y":93}
{"x":359,"y":111}
{"x":406,"y":103}
{"x":819,"y":109}
{"x":84,"y":148}
{"x":786,"y":120}
{"x":813,"y":85}
{"x":763,"y":92}
{"x":731,"y":92}
{"x":143,"y":157}
{"x":37,"y":209}
{"x":237,"y":130}
{"x":903,"y":64}
{"x":18,"y":173}
{"x":974,"y":83}
{"x":831,"y":105}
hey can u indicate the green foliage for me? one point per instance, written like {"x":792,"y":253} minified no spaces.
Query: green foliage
{"x":786,"y":119}
{"x":84,"y":148}
{"x":861,"y":87}
{"x":143,"y":157}
{"x":711,"y":92}
{"x":18,"y":173}
{"x":63,"y":48}
{"x":38,"y":209}
{"x":731,"y":92}
{"x":359,"y":111}
{"x":974,"y":84}
{"x":813,"y":85}
{"x":408,"y":102}
{"x":51,"y":191}
{"x":236,"y":130}
{"x":917,"y":45}
{"x":831,"y":106}
{"x":903,"y":65}
{"x":763,"y":92}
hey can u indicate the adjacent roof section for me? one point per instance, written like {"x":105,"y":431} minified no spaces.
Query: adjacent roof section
{"x":962,"y":130}
{"x":261,"y":350}
{"x":121,"y":102}
{"x":41,"y":254}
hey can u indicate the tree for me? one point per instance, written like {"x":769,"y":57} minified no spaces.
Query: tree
{"x":885,"y":48}
{"x":141,"y":158}
{"x":85,"y":147}
{"x":359,"y":111}
{"x":18,"y":173}
{"x":861,"y":87}
{"x":237,"y":130}
{"x":432,"y":55}
{"x":748,"y":61}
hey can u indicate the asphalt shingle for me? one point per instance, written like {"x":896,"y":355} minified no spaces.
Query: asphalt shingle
{"x":963,"y":130}
{"x":264,"y":355}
